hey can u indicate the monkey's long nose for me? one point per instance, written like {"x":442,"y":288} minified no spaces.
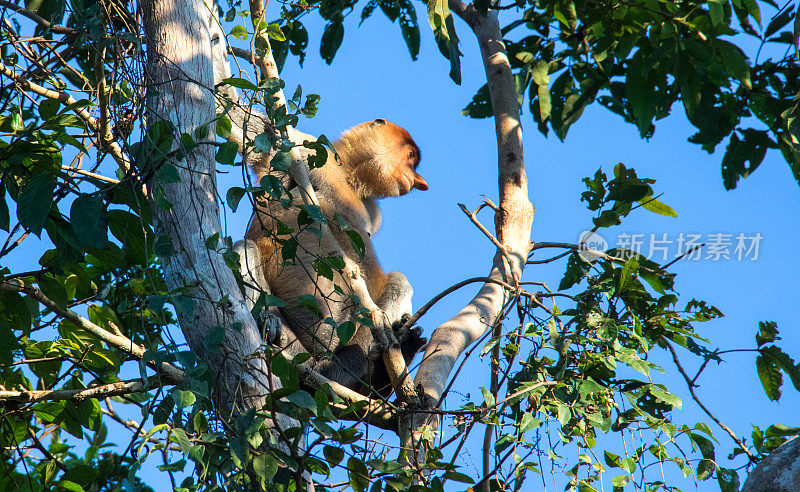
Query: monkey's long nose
{"x":419,"y":182}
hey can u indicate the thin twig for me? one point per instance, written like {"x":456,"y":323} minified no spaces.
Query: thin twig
{"x":91,"y":174}
{"x":691,"y":385}
{"x":109,"y":145}
{"x":424,"y":309}
{"x":474,"y":219}
{"x":37,"y":18}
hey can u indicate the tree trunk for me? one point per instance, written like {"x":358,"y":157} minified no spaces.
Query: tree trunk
{"x":179,"y":68}
{"x":778,"y":472}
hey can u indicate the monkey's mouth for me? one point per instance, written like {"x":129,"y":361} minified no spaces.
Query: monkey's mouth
{"x":405,"y":184}
{"x":409,"y":181}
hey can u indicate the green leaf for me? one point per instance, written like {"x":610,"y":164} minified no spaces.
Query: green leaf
{"x":564,"y":413}
{"x":271,"y":300}
{"x":576,"y":270}
{"x":239,"y":32}
{"x":564,"y":12}
{"x":481,"y":104}
{"x":35,"y":201}
{"x":705,"y":445}
{"x":321,"y":266}
{"x":304,"y":400}
{"x":289,"y":249}
{"x":240,"y":83}
{"x":274,"y":32}
{"x":735,"y":62}
{"x":770,"y":376}
{"x":265,"y":466}
{"x":611,"y":459}
{"x":627,"y":273}
{"x":441,"y":20}
{"x":705,"y":468}
{"x":162,"y":246}
{"x":779,"y":21}
{"x":716,"y":11}
{"x":309,"y":302}
{"x":331,"y":40}
{"x":314,"y":213}
{"x":182,"y":398}
{"x":655,"y":206}
{"x":628,"y":464}
{"x":5,"y":217}
{"x":782,"y":361}
{"x":540,"y":72}
{"x":641,"y":93}
{"x":357,"y":242}
{"x":728,"y":480}
{"x":224,"y":126}
{"x":358,"y":474}
{"x":369,"y":8}
{"x":133,"y":233}
{"x":458,"y":477}
{"x":738,"y":152}
{"x":53,"y":289}
{"x":226,"y":153}
{"x":69,"y":485}
{"x":334,"y":455}
{"x":233,"y":197}
{"x":345,"y":331}
{"x":767,"y":332}
{"x":409,"y":27}
{"x":666,"y":397}
{"x":89,"y":220}
{"x":168,"y":173}
{"x":488,"y":397}
{"x":389,"y":9}
{"x":620,"y":480}
{"x":49,"y":108}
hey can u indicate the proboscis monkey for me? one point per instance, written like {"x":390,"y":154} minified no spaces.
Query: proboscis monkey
{"x":377,"y":159}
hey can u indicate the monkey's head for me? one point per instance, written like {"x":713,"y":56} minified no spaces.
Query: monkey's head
{"x":383,"y":159}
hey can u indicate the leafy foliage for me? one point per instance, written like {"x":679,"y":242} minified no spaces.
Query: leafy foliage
{"x":639,"y":60}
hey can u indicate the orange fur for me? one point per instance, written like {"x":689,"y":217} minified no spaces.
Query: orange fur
{"x":377,"y":159}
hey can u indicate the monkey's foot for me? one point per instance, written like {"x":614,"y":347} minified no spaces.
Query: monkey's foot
{"x":411,"y":339}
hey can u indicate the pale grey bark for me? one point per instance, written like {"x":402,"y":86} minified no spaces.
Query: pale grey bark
{"x":513,"y":222}
{"x":778,"y":472}
{"x":179,"y":68}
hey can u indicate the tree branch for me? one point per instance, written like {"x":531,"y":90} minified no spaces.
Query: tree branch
{"x":98,"y":392}
{"x":173,"y":374}
{"x":513,"y":223}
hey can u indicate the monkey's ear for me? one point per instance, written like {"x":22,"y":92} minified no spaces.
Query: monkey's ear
{"x":379,"y":121}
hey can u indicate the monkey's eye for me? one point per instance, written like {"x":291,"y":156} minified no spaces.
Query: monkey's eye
{"x":411,"y":153}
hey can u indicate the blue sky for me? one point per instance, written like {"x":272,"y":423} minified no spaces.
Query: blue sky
{"x":427,"y":237}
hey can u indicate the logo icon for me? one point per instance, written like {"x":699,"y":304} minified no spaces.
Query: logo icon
{"x":590,"y":244}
